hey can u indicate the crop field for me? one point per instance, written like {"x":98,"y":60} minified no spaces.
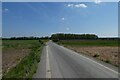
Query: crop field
{"x":105,"y":50}
{"x":18,"y":55}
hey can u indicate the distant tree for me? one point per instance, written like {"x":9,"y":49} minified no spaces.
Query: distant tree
{"x":62,"y":36}
{"x":40,"y":41}
{"x":46,"y":37}
{"x":24,"y":38}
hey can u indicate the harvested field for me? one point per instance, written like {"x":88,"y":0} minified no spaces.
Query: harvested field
{"x":13,"y":51}
{"x":12,"y":56}
{"x":106,"y":54}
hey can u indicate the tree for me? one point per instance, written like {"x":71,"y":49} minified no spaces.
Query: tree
{"x":62,"y":36}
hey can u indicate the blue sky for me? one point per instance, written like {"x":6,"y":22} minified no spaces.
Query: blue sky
{"x":45,"y":18}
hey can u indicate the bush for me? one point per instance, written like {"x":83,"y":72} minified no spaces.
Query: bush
{"x":96,"y":55}
{"x":40,"y":42}
{"x":107,"y":61}
{"x":55,"y":40}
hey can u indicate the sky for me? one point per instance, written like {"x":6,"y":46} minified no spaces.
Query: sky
{"x":45,"y":18}
{"x":60,"y":0}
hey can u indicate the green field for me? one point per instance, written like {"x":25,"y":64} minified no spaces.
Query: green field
{"x":88,"y":42}
{"x":28,"y":65}
{"x":18,"y":44}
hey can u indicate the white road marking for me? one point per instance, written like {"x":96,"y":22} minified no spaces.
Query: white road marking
{"x":0,"y":74}
{"x":94,"y":62}
{"x":48,"y":71}
{"x":100,"y":64}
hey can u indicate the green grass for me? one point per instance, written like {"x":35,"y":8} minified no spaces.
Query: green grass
{"x":89,"y":42}
{"x":44,"y":40}
{"x":18,"y":44}
{"x":28,"y":65}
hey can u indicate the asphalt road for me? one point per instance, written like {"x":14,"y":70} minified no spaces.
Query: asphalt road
{"x":60,"y":62}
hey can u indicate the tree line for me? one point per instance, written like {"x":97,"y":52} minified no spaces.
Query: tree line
{"x":62,"y":36}
{"x":25,"y":38}
{"x":20,"y":38}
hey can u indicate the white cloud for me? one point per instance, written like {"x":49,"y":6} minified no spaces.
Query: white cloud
{"x":70,"y":5}
{"x":6,"y":9}
{"x":67,"y":29}
{"x":97,"y":1}
{"x":80,"y":5}
{"x":77,"y":5}
{"x":63,"y":18}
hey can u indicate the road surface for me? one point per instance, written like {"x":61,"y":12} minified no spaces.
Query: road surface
{"x":60,"y":62}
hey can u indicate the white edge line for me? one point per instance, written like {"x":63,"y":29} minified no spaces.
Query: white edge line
{"x":0,"y":76}
{"x":94,"y":62}
{"x":48,"y":71}
{"x":1,"y":73}
{"x":100,"y":64}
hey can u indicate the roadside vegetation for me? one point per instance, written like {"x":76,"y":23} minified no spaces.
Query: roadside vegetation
{"x":20,"y":58}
